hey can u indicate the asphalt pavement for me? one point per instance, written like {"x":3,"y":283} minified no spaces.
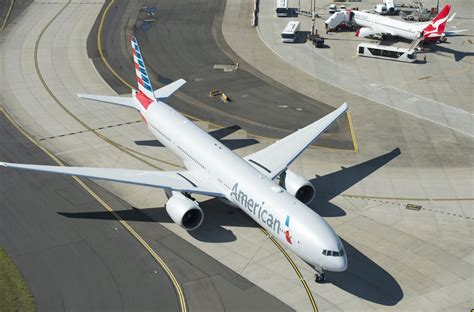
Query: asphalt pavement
{"x":184,"y":40}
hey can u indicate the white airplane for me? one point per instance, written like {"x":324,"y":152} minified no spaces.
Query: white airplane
{"x":214,"y":170}
{"x":376,"y":25}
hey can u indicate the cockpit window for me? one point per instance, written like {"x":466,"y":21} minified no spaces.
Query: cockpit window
{"x":330,"y":253}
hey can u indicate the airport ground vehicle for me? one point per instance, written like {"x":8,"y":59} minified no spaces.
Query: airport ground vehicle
{"x":290,"y":32}
{"x":386,"y":52}
{"x":332,"y":8}
{"x":388,"y":7}
{"x":282,"y":8}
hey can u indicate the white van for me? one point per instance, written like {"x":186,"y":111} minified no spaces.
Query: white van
{"x":290,"y":32}
{"x":282,"y":8}
{"x":332,"y":8}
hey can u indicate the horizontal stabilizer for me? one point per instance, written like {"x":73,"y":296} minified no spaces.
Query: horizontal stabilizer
{"x":117,"y":100}
{"x":450,"y":33}
{"x":168,"y":90}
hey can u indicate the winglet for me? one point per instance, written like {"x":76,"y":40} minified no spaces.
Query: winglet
{"x":3,"y":164}
{"x":168,"y":90}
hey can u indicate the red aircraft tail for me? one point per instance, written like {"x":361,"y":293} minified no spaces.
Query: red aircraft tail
{"x":438,"y":24}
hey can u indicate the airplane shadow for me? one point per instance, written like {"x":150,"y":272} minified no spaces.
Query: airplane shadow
{"x":333,"y":184}
{"x":218,"y":134}
{"x":364,"y":278}
{"x":443,"y":48}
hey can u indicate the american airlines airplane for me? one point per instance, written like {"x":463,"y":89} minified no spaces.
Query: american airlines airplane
{"x":372,"y":24}
{"x":249,"y":183}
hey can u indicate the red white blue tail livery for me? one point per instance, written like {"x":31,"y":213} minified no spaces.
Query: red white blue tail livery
{"x":143,"y":80}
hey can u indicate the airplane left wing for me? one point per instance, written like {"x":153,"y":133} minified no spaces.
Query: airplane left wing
{"x":181,"y":181}
{"x":276,"y":158}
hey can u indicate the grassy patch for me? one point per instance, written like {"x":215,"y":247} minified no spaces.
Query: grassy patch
{"x":14,"y":292}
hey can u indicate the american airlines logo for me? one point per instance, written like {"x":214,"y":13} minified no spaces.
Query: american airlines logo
{"x":257,"y":209}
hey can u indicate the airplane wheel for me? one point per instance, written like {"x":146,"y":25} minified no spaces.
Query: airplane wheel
{"x":320,"y":278}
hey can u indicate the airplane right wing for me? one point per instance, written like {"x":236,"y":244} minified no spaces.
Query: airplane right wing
{"x":181,"y":181}
{"x":276,"y":158}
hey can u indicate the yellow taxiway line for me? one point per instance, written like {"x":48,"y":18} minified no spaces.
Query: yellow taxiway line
{"x":295,"y":267}
{"x":8,"y":15}
{"x":351,"y":127}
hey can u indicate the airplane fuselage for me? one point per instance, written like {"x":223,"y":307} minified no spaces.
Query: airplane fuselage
{"x":294,"y":224}
{"x":388,"y":25}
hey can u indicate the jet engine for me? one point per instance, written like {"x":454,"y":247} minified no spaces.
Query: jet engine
{"x":298,"y":186}
{"x":365,"y":32}
{"x":184,"y":211}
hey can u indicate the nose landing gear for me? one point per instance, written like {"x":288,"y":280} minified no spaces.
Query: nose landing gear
{"x":319,"y":276}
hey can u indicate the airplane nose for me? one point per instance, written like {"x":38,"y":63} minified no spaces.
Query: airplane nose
{"x":338,"y":264}
{"x":344,"y":263}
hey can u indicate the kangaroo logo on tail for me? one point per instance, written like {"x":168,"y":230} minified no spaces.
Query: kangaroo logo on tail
{"x":436,"y":28}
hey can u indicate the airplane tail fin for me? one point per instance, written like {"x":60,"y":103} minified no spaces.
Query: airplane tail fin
{"x":143,"y":80}
{"x":438,"y":24}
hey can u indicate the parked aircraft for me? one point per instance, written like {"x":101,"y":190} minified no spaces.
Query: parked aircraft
{"x":376,"y":25}
{"x":260,"y":184}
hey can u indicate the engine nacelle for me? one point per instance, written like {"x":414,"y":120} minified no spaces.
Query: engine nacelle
{"x":365,"y":32}
{"x":298,"y":186}
{"x":184,"y":212}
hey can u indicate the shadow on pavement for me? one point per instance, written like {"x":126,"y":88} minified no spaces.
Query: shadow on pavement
{"x":443,"y":48}
{"x":333,"y":184}
{"x":366,"y":279}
